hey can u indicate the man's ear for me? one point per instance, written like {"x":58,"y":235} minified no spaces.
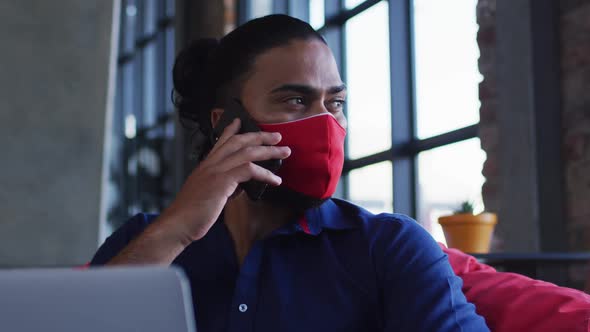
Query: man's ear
{"x":215,"y":116}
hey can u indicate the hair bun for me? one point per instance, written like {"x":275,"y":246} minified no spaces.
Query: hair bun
{"x":192,"y":78}
{"x":193,"y":64}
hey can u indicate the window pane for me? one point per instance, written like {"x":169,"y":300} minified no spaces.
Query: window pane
{"x":127,"y":89}
{"x":170,"y":7}
{"x":352,"y":3}
{"x":316,"y":13}
{"x":447,"y":75}
{"x":128,"y":32}
{"x":149,"y":93}
{"x":448,"y":176}
{"x":170,"y":53}
{"x":367,"y":73}
{"x":259,"y":8}
{"x":149,"y":17}
{"x":372,"y":188}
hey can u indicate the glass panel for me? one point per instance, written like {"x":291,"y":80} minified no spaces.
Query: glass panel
{"x":367,"y":73}
{"x":170,"y":4}
{"x":149,"y":92}
{"x":352,"y":3}
{"x":372,"y":188}
{"x":448,"y":176}
{"x":162,"y":95}
{"x":170,"y":52}
{"x":260,"y":8}
{"x":127,"y":89}
{"x":149,"y":17}
{"x":447,"y":75}
{"x":316,"y":13}
{"x":128,"y":27}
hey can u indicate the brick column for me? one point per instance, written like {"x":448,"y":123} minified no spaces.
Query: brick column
{"x":488,"y":130}
{"x":575,"y":76}
{"x":574,"y":25}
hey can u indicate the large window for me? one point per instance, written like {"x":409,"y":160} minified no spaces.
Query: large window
{"x":446,"y":85}
{"x":143,"y":127}
{"x":413,"y":108}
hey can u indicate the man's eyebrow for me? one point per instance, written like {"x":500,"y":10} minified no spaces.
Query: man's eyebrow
{"x":299,"y":88}
{"x":337,"y":89}
{"x":306,"y":89}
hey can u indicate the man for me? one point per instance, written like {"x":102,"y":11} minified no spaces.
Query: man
{"x":295,"y":260}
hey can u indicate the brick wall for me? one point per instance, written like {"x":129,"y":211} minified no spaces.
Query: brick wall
{"x":575,"y":75}
{"x":574,"y":16}
{"x":488,"y":129}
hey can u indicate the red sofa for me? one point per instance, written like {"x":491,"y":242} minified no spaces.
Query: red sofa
{"x":511,"y":302}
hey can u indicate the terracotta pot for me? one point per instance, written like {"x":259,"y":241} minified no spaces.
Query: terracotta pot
{"x":469,"y":233}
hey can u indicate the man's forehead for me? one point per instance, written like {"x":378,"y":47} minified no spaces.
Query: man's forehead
{"x":309,"y":63}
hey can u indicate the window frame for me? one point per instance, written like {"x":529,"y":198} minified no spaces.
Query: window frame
{"x":154,"y":131}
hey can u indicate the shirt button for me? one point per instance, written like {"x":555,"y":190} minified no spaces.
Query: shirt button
{"x":243,"y":307}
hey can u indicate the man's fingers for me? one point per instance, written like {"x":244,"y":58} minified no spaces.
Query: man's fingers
{"x":232,"y":129}
{"x":254,"y":153}
{"x":237,"y":142}
{"x":251,"y":171}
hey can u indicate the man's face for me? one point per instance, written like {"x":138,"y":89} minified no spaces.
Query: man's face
{"x":293,"y":82}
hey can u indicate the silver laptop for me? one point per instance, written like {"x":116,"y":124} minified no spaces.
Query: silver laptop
{"x":98,"y":299}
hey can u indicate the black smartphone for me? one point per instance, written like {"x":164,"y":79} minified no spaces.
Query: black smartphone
{"x":235,"y":109}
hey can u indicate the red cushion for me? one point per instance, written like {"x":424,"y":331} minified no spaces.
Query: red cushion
{"x":511,"y":302}
{"x":82,"y":267}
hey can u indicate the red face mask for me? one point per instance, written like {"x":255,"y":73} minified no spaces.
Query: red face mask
{"x":317,"y":154}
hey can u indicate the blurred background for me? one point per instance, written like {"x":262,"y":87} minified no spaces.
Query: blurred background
{"x":478,"y":100}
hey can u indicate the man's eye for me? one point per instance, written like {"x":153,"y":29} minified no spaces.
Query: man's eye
{"x":295,"y":101}
{"x":338,"y":104}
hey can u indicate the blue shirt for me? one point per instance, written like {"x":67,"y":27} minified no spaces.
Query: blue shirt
{"x":340,"y":268}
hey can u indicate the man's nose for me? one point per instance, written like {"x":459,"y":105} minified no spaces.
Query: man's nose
{"x":319,"y":107}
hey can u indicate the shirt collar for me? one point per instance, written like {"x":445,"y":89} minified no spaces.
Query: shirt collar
{"x":330,"y":215}
{"x":334,"y":214}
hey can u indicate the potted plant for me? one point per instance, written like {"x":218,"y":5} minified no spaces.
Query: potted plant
{"x":469,"y":232}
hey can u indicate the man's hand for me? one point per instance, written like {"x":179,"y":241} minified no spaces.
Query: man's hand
{"x":230,"y":162}
{"x":204,"y":194}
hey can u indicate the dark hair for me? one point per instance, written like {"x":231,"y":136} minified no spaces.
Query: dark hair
{"x":208,"y":70}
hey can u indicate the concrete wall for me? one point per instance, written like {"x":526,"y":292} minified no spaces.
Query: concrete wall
{"x":54,"y":80}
